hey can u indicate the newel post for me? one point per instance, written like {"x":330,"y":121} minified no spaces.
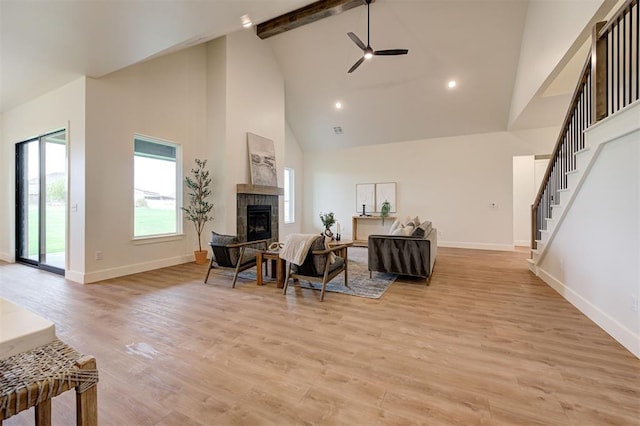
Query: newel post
{"x":598,"y":73}
{"x":534,"y":226}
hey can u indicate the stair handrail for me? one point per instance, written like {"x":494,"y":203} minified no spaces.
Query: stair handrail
{"x":617,"y":74}
{"x":580,"y":87}
{"x":616,"y":17}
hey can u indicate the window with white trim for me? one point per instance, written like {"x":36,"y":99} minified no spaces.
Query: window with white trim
{"x":289,"y":210}
{"x":156,"y":187}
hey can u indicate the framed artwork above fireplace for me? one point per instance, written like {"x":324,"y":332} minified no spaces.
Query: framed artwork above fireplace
{"x":262,"y":160}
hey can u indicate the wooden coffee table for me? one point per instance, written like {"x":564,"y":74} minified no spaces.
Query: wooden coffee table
{"x":277,"y":265}
{"x":343,"y":251}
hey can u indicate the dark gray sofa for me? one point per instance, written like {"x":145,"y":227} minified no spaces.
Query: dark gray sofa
{"x":402,"y":255}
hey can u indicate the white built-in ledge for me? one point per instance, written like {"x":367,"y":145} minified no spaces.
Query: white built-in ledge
{"x":245,"y":188}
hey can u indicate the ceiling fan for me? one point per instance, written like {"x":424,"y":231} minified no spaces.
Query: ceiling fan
{"x":368,"y":51}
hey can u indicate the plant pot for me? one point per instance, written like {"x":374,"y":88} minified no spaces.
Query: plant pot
{"x":201,"y":257}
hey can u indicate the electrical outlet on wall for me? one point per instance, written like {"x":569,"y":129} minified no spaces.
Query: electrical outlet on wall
{"x":634,"y":303}
{"x":98,"y":255}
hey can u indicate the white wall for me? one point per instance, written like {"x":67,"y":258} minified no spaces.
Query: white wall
{"x":5,"y":190}
{"x":593,"y":258}
{"x":254,"y":92}
{"x":450,"y":181}
{"x":216,"y":143}
{"x":524,"y":192}
{"x":551,"y":27}
{"x":163,"y":98}
{"x":294,"y":158}
{"x":205,"y":98}
{"x":59,"y":109}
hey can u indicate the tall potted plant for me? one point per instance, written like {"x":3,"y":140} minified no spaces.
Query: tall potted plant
{"x":198,"y":209}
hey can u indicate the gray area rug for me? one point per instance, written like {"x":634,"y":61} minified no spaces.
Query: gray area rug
{"x":359,"y":282}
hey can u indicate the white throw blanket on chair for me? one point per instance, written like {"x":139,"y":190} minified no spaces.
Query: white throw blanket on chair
{"x":296,"y":247}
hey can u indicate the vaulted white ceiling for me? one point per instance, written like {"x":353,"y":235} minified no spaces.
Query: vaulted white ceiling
{"x":45,"y":44}
{"x":397,"y":98}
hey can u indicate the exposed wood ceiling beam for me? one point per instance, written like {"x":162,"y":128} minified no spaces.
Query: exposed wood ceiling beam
{"x":305,"y":15}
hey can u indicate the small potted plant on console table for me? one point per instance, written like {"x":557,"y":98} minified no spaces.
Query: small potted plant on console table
{"x":384,"y":211}
{"x":199,"y":207}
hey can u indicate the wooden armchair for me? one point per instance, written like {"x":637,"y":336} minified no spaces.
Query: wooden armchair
{"x":229,"y":253}
{"x":317,"y":266}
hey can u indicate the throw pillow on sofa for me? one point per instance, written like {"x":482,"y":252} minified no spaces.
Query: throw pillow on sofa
{"x":405,"y":230}
{"x":410,"y":227}
{"x":408,"y":230}
{"x":398,"y":230}
{"x":395,"y":225}
{"x":423,"y":229}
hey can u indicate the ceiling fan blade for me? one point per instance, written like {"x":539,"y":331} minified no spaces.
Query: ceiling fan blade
{"x":356,"y":65}
{"x":356,"y":40}
{"x":390,"y":52}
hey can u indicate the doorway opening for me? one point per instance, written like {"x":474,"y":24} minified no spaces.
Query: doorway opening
{"x":41,"y":202}
{"x":528,"y":171}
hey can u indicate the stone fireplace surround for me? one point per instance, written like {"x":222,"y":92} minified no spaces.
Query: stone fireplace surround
{"x":260,"y":195}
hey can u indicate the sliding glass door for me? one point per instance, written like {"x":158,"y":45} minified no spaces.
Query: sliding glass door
{"x":41,"y":197}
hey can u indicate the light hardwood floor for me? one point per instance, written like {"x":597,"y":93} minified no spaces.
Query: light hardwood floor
{"x":486,"y":343}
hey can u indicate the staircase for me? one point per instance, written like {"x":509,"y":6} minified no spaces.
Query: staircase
{"x":585,"y":233}
{"x":562,"y":202}
{"x":609,"y":84}
{"x":568,"y":163}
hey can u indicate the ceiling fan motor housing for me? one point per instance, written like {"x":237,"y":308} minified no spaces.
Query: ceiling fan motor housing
{"x":367,"y":50}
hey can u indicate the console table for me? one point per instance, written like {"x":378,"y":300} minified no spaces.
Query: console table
{"x":371,"y":223}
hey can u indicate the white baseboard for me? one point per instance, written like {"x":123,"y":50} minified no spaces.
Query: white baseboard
{"x":522,"y":243}
{"x":76,"y":277}
{"x":478,"y":246}
{"x":616,"y":330}
{"x":105,"y":274}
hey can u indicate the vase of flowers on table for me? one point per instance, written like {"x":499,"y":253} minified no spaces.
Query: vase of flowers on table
{"x":327,"y":220}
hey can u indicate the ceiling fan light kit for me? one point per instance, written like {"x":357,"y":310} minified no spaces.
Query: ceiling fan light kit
{"x":368,"y":52}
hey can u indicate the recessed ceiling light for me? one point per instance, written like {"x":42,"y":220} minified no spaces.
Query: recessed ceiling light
{"x":338,"y":105}
{"x":246,"y":21}
{"x":451,"y":84}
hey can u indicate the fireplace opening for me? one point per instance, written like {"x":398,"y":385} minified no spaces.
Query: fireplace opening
{"x":258,"y":223}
